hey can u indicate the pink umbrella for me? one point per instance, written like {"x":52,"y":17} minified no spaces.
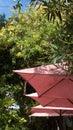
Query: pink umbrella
{"x":40,"y":111}
{"x":53,"y":111}
{"x":51,"y":79}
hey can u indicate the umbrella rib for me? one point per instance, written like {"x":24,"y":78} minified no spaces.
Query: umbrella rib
{"x":50,"y":102}
{"x":70,"y":101}
{"x":52,"y":86}
{"x":57,"y":111}
{"x":71,"y":79}
{"x":63,"y":111}
{"x":60,"y":112}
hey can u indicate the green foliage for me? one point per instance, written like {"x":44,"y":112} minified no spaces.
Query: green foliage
{"x":50,"y":42}
{"x":54,"y":9}
{"x":32,"y":30}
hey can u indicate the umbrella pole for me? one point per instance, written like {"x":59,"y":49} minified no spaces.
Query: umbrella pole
{"x":60,"y":121}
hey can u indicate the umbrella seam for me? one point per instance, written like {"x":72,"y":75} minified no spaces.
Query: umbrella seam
{"x":52,"y":87}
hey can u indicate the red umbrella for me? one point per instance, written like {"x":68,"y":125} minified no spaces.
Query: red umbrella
{"x":49,"y":79}
{"x":40,"y":111}
{"x":53,"y":111}
{"x":51,"y":101}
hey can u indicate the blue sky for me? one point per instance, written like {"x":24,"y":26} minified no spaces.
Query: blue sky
{"x":6,"y":6}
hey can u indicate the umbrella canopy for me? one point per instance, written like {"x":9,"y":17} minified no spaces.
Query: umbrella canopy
{"x":51,"y":101}
{"x":48,"y":69}
{"x":52,"y":111}
{"x":49,"y":79}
